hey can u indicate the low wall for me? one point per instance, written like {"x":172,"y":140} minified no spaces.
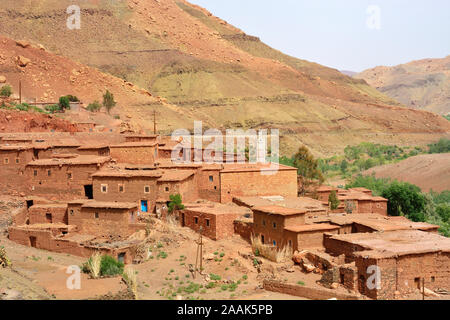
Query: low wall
{"x":306,"y":292}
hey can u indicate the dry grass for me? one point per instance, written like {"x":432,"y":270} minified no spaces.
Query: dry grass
{"x":270,"y":252}
{"x":94,"y":264}
{"x":130,"y":278}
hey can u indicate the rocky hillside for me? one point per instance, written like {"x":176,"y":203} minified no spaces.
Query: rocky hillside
{"x":422,"y":84}
{"x":205,"y":69}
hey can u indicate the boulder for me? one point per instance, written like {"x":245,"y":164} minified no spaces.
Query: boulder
{"x":2,"y":79}
{"x":334,"y":285}
{"x":309,"y":267}
{"x":23,"y":43}
{"x":22,"y":61}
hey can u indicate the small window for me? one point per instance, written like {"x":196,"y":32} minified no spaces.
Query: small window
{"x":69,"y":175}
{"x":433,"y":279}
{"x":264,"y":222}
{"x":71,"y":212}
{"x":121,"y":188}
{"x":207,"y":222}
{"x":167,"y":189}
{"x":262,"y":239}
{"x":49,"y":172}
{"x":196,"y":220}
{"x":96,"y":215}
{"x":211,"y":178}
{"x":6,"y":160}
{"x":274,"y":225}
{"x":215,"y":187}
{"x":290,"y":243}
{"x":274,"y":243}
{"x":17,"y":160}
{"x":104,"y":188}
{"x":147,"y":189}
{"x":35,"y":173}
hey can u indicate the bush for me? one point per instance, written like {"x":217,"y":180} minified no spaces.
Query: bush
{"x":6,"y":91}
{"x":110,"y":266}
{"x":442,"y":146}
{"x":64,"y":103}
{"x":405,"y":198}
{"x":108,"y":101}
{"x":53,"y":108}
{"x":72,"y":98}
{"x":94,"y":106}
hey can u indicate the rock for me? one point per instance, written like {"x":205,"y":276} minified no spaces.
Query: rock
{"x":210,"y":256}
{"x":309,"y":267}
{"x":23,"y":43}
{"x":22,"y":61}
{"x":430,"y":293}
{"x":2,"y":79}
{"x":334,"y":285}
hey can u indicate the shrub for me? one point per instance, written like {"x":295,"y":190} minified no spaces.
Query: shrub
{"x":94,"y":106}
{"x":72,"y":98}
{"x":333,"y":200}
{"x":270,"y":252}
{"x":6,"y":91}
{"x":53,"y":108}
{"x":110,"y":266}
{"x":215,"y":277}
{"x":130,"y":278}
{"x":108,"y":101}
{"x":64,"y":103}
{"x":94,"y":264}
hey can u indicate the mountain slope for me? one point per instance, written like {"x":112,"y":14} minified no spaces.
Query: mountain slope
{"x":428,"y":171}
{"x":216,"y":73}
{"x":422,"y":84}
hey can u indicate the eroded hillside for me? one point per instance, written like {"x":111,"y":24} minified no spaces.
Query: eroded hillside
{"x":209,"y":70}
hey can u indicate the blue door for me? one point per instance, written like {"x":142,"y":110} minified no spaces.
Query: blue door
{"x":144,"y":206}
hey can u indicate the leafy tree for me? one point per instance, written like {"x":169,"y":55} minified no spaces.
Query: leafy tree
{"x":64,"y":103}
{"x":307,"y":169}
{"x":442,"y":146}
{"x":108,"y":101}
{"x":344,"y":166}
{"x":6,"y":91}
{"x":405,"y":198}
{"x":175,"y":203}
{"x":94,"y":106}
{"x":333,"y":201}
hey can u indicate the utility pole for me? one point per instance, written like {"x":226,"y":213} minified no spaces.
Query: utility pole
{"x":423,"y":288}
{"x":154,"y":121}
{"x":199,"y":254}
{"x":20,"y":91}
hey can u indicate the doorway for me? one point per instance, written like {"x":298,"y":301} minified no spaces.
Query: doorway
{"x":183,"y":224}
{"x":144,"y":205}
{"x":33,"y":242}
{"x":30,"y":203}
{"x":48,"y":218}
{"x":89,"y":191}
{"x":121,"y":257}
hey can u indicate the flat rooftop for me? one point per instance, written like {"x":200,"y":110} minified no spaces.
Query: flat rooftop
{"x":396,"y":243}
{"x":217,"y":208}
{"x":176,"y":175}
{"x":134,"y":144}
{"x":376,"y":222}
{"x":277,"y":210}
{"x":294,"y":202}
{"x":108,"y":205}
{"x":249,"y":167}
{"x":312,"y":227}
{"x":78,"y":160}
{"x":123,"y":173}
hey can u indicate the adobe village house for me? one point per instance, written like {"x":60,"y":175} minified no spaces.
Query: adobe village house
{"x":88,"y":192}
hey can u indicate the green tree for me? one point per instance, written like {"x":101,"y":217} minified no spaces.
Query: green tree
{"x":344,"y":166}
{"x":307,"y":169}
{"x":333,"y":200}
{"x":175,"y":203}
{"x":64,"y":103}
{"x":108,"y":101}
{"x":405,"y":198}
{"x":94,"y":106}
{"x":6,"y":91}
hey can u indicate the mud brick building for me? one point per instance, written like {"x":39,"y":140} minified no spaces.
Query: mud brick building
{"x":238,"y":180}
{"x":269,"y":223}
{"x":47,"y":213}
{"x":127,"y":185}
{"x":96,"y":150}
{"x":103,"y":218}
{"x":183,"y":182}
{"x":405,"y":258}
{"x":64,"y":177}
{"x":13,"y":160}
{"x":149,"y":138}
{"x":215,"y":219}
{"x":135,"y":152}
